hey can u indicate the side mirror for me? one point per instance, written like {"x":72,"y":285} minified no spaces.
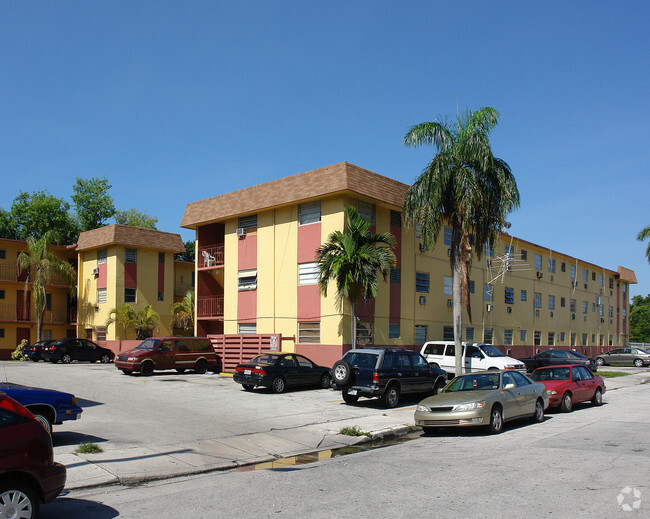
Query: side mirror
{"x":509,"y":386}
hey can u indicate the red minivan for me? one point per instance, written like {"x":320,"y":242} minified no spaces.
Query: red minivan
{"x":179,"y":353}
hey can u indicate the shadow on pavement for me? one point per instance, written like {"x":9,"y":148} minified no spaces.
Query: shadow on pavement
{"x":81,"y":402}
{"x":73,"y":438}
{"x":69,"y":508}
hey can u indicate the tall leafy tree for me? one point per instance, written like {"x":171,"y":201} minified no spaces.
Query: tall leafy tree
{"x":644,"y":234}
{"x":92,"y":202}
{"x":466,"y":186}
{"x":188,"y":255}
{"x":123,"y":316}
{"x":43,"y":266}
{"x":353,"y":258}
{"x":146,"y":322}
{"x":134,"y":218}
{"x":640,"y":319}
{"x":183,"y":312}
{"x":39,"y":213}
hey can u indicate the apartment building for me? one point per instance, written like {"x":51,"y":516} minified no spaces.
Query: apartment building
{"x":256,"y":273}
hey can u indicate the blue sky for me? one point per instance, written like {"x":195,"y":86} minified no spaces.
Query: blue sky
{"x":178,"y":101}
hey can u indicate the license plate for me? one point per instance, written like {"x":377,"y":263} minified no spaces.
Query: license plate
{"x":352,"y":391}
{"x":247,"y":372}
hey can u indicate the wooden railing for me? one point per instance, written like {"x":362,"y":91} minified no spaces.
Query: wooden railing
{"x":209,"y":306}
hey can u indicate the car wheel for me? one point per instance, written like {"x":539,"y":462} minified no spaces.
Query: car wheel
{"x":349,"y":399}
{"x":66,"y":358}
{"x":600,"y":361}
{"x":566,"y":406}
{"x":278,"y":385}
{"x":180,"y":370}
{"x":341,"y":372}
{"x":146,"y":369}
{"x":35,"y":359}
{"x":390,"y":398}
{"x":54,"y":361}
{"x":248,"y":387}
{"x":496,"y":420}
{"x":493,"y":369}
{"x":638,"y":363}
{"x":598,"y":398}
{"x":127,"y":371}
{"x":19,"y":499}
{"x":105,"y":359}
{"x":438,"y":386}
{"x":325,"y":381}
{"x":538,"y":417}
{"x":44,"y":422}
{"x":201,"y":366}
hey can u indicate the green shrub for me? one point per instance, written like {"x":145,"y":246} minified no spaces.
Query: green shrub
{"x":88,"y":448}
{"x":17,"y":354}
{"x":353,"y":431}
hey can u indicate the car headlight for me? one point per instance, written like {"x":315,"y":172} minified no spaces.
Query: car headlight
{"x":469,"y":407}
{"x":132,"y":359}
{"x":423,"y":408}
{"x":551,"y":391}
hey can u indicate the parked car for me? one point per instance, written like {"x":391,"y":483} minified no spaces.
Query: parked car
{"x":636,"y":356}
{"x":476,"y":357}
{"x":487,"y":398}
{"x":386,"y":374}
{"x":67,"y":350}
{"x":48,"y":406}
{"x":29,"y":475}
{"x":569,"y":385}
{"x":279,"y":371}
{"x":558,"y":358}
{"x":159,"y":353}
{"x":33,"y":351}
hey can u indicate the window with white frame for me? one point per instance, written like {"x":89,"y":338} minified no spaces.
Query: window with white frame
{"x":309,"y":213}
{"x":551,"y":302}
{"x":585,"y":275}
{"x":446,"y":285}
{"x":522,"y":336}
{"x":585,"y":307}
{"x":308,"y":273}
{"x":367,"y":212}
{"x":247,"y":280}
{"x":601,"y":282}
{"x":572,"y":272}
{"x":420,"y":334}
{"x":551,"y":265}
{"x":538,"y":338}
{"x":487,"y":336}
{"x":101,"y":296}
{"x":551,"y":338}
{"x":507,"y":337}
{"x":537,"y":300}
{"x":447,"y":232}
{"x":102,"y":256}
{"x":309,"y":332}
{"x":538,"y":262}
{"x":247,"y":328}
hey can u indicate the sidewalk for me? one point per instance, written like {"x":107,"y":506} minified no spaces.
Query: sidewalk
{"x":138,"y":464}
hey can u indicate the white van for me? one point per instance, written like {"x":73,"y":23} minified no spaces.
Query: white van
{"x":476,"y":357}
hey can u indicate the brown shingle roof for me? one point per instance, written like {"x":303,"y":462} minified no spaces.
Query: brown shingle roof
{"x":311,"y":184}
{"x":627,"y":275}
{"x":133,"y":236}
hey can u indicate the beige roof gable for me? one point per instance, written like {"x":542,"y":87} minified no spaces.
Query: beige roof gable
{"x":132,"y":236}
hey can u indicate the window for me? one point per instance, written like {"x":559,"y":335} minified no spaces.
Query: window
{"x":585,"y":306}
{"x":585,"y":275}
{"x":551,"y":265}
{"x":48,"y":301}
{"x":573,"y":338}
{"x":487,"y":336}
{"x":593,"y":307}
{"x":309,"y":213}
{"x":396,"y":275}
{"x":418,"y":230}
{"x":308,"y":273}
{"x":309,"y":333}
{"x":551,"y":338}
{"x":593,"y":276}
{"x":471,"y":287}
{"x":510,"y":253}
{"x":393,"y":331}
{"x":537,"y":300}
{"x":611,"y":283}
{"x":395,"y":218}
{"x":161,"y":257}
{"x":469,"y":334}
{"x":573,"y":305}
{"x":524,"y":255}
{"x":248,"y":222}
{"x":101,"y":256}
{"x":538,"y":262}
{"x":573,"y":272}
{"x":601,"y":282}
{"x":247,"y":328}
{"x":364,"y":333}
{"x":420,"y":334}
{"x":448,"y":333}
{"x":447,"y":286}
{"x":367,"y":212}
{"x":2,"y":294}
{"x":447,"y":232}
{"x":489,"y":251}
{"x":584,"y":339}
{"x":523,"y":295}
{"x":3,"y":254}
{"x":129,"y":295}
{"x":562,"y":337}
{"x":247,"y":280}
{"x":161,"y":295}
{"x":563,"y":302}
{"x":421,"y":282}
{"x":522,"y":336}
{"x":100,"y":333}
{"x":130,"y":255}
{"x":488,"y":292}
{"x":563,"y":266}
{"x":602,"y":338}
{"x":611,"y":312}
{"x":538,"y":338}
{"x":101,"y":296}
{"x":551,"y":302}
{"x":507,"y":337}
{"x":509,"y":295}
{"x":593,"y":338}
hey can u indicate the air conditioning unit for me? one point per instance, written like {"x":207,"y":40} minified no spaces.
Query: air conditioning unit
{"x":450,"y":303}
{"x":241,"y":232}
{"x":423,"y":300}
{"x":488,"y":307}
{"x":96,"y":271}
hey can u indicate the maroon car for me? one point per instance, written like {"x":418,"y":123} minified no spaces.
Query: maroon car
{"x":29,"y":475}
{"x":570,"y":384}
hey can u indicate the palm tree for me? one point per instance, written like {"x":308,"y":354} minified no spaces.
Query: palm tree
{"x":42,"y":265}
{"x":146,"y":322}
{"x":353,"y":258}
{"x":466,"y":186}
{"x":183,"y":312}
{"x":124,"y":316}
{"x":644,"y":234}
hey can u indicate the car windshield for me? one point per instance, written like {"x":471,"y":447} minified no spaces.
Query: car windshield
{"x":476,"y":382}
{"x":266,"y":359}
{"x":491,"y":351}
{"x":361,"y":360}
{"x":576,"y":354}
{"x":148,"y":344}
{"x":58,"y":343}
{"x":539,"y":375}
{"x":644,"y":352}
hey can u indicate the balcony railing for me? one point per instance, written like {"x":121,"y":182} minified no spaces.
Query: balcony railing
{"x":180,"y":289}
{"x":11,"y":273}
{"x":210,"y":256}
{"x":11,"y":312}
{"x":209,"y":306}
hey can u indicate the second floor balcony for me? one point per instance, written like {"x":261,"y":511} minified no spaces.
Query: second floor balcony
{"x":209,"y":307}
{"x":210,"y":256}
{"x":20,"y":313}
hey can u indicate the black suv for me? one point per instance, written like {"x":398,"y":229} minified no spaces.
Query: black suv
{"x":385,"y":373}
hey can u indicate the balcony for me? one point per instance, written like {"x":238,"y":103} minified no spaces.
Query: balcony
{"x":11,"y":273}
{"x":210,"y":256}
{"x":12,"y":313}
{"x":180,"y":289}
{"x":209,"y":307}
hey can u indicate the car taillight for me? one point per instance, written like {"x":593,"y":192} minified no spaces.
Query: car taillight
{"x":258,"y":371}
{"x":10,"y":404}
{"x":51,"y":348}
{"x":375,"y":378}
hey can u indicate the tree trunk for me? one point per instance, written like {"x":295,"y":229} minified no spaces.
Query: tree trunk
{"x":457,"y":316}
{"x":353,"y":324}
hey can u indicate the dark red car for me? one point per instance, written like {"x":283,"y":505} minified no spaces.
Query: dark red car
{"x":570,"y":384}
{"x":29,"y":475}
